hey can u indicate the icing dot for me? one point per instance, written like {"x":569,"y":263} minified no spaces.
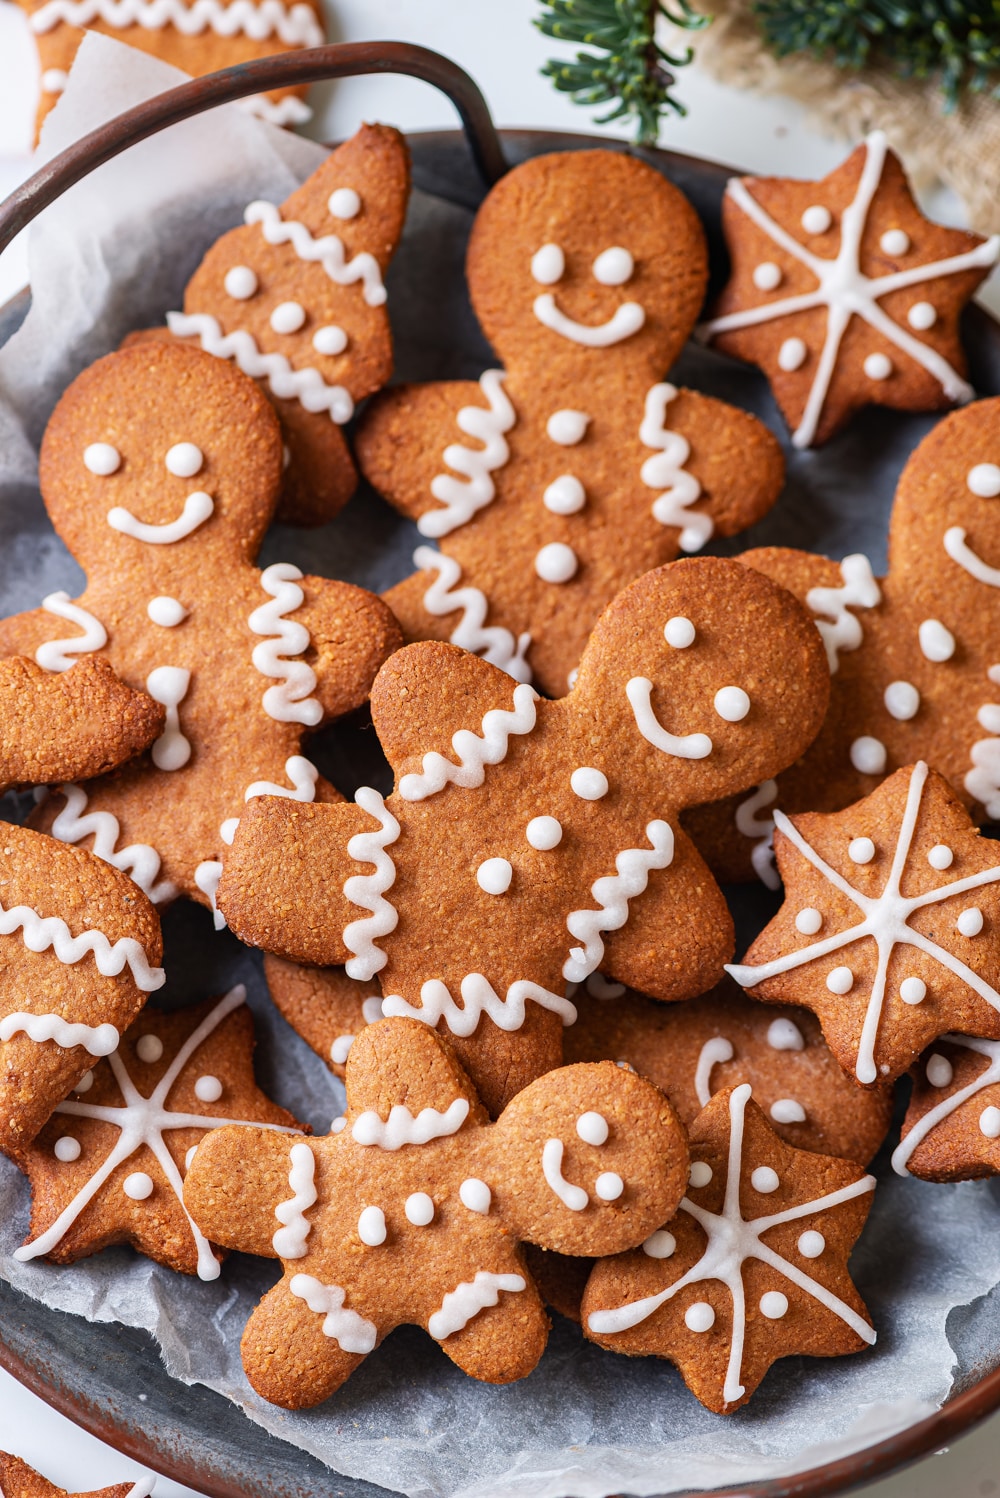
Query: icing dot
{"x":240,"y":283}
{"x":101,"y":458}
{"x":808,"y":921}
{"x":983,"y":480}
{"x":567,"y":427}
{"x":288,"y":317}
{"x":149,"y":1048}
{"x":773,"y":1305}
{"x":589,"y":784}
{"x":613,"y":267}
{"x":700,"y":1173}
{"x":166,"y":611}
{"x":138,"y":1186}
{"x":765,"y":1180}
{"x":208,"y":1089}
{"x":878,"y":366}
{"x":339,"y":1124}
{"x":371,"y":1226}
{"x":556,"y":563}
{"x":341,"y":1049}
{"x":189,"y":1157}
{"x":936,"y":642}
{"x":592,"y":1128}
{"x":732,"y":704}
{"x":679,"y":632}
{"x":419,"y":1209}
{"x":344,"y":202}
{"x":544,"y":833}
{"x":841,"y":980}
{"x":970,"y":922}
{"x":54,"y":80}
{"x":85,"y":1083}
{"x":940,"y":857}
{"x":792,"y":355}
{"x":67,"y":1148}
{"x":811,"y":1244}
{"x":609,"y":1186}
{"x":548,"y":264}
{"x":660,"y":1245}
{"x":787,"y":1111}
{"x":861,"y":850}
{"x":895,"y":241}
{"x":902,"y":700}
{"x":184,"y":460}
{"x":989,"y":1123}
{"x":940,"y":1071}
{"x":475,"y":1195}
{"x":767,"y":276}
{"x":989,"y":717}
{"x":572,"y":678}
{"x":868,"y":755}
{"x":494,"y":875}
{"x":330,"y":339}
{"x":913,"y":990}
{"x":817,"y":219}
{"x":565,"y":495}
{"x":700,"y":1317}
{"x":785,"y":1035}
{"x":921,"y":316}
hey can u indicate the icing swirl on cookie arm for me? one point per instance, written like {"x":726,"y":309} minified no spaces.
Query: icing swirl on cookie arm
{"x":479,"y":997}
{"x":460,"y":1305}
{"x":613,"y":893}
{"x":290,"y":701}
{"x":368,"y":890}
{"x":491,"y":642}
{"x":42,"y":933}
{"x":475,"y":752}
{"x":665,"y":470}
{"x":58,"y":655}
{"x":842,"y":630}
{"x":463,"y":497}
{"x":328,"y":251}
{"x":140,"y":861}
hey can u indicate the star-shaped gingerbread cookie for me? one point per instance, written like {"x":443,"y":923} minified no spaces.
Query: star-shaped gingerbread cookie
{"x":951,"y":1131}
{"x":18,"y":1480}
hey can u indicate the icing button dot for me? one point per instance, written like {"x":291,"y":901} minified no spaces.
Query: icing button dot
{"x":609,"y":1186}
{"x":868,"y":755}
{"x":149,"y":1048}
{"x":241,"y":283}
{"x":419,"y":1209}
{"x":660,"y":1245}
{"x":895,"y":241}
{"x":700,"y":1317}
{"x":565,"y":495}
{"x":817,"y":219}
{"x":811,"y":1244}
{"x":840,"y":981}
{"x":475,"y":1195}
{"x":765,"y":1180}
{"x":984,"y":480}
{"x":613,"y":267}
{"x":165,"y":611}
{"x":288,"y":317}
{"x":208,"y":1089}
{"x":567,"y":428}
{"x":808,"y":921}
{"x":989,"y":1123}
{"x":548,"y":264}
{"x":767,"y":276}
{"x":940,"y":857}
{"x":138,"y":1186}
{"x":878,"y":366}
{"x":861,"y":850}
{"x":592,"y":1128}
{"x":970,"y":922}
{"x":67,"y":1149}
{"x":371,"y":1226}
{"x":936,"y":642}
{"x":101,"y":458}
{"x":544,"y":833}
{"x":792,"y":355}
{"x":785,"y":1035}
{"x":732,"y":704}
{"x":787,"y":1111}
{"x":344,"y":203}
{"x":902,"y":700}
{"x":494,"y":875}
{"x":339,"y":1124}
{"x":589,"y":784}
{"x":700,"y":1173}
{"x":921,"y":316}
{"x":330,"y":340}
{"x":913,"y":990}
{"x":85,"y":1083}
{"x":556,"y":563}
{"x":940,"y":1072}
{"x":773,"y":1305}
{"x":679,"y":632}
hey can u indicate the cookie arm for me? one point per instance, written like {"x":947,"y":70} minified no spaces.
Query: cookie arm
{"x":287,"y":1356}
{"x":735,"y":458}
{"x":402,"y":436}
{"x":236,"y":1179}
{"x":352,"y":632}
{"x":503,"y":1342}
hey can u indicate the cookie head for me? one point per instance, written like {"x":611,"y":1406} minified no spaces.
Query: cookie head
{"x":586,"y":260}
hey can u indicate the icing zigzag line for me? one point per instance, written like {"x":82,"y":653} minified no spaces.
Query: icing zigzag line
{"x":368,"y":890}
{"x":41,"y":932}
{"x":842,"y":630}
{"x":462,"y":497}
{"x":296,"y":26}
{"x":479,"y":997}
{"x":138,"y":860}
{"x":665,"y":470}
{"x":493,"y":643}
{"x":327,"y":251}
{"x":289,"y":702}
{"x":613,"y":893}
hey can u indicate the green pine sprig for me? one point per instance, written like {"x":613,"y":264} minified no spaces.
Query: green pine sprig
{"x":955,"y":41}
{"x":627,"y":68}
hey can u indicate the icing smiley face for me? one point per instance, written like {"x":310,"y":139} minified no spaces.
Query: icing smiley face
{"x":612,"y":267}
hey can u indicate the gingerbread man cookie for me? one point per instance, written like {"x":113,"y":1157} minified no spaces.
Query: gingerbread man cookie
{"x":752,"y":1269}
{"x":296,"y":298}
{"x":889,"y":927}
{"x":160,"y":468}
{"x":558,"y":479}
{"x":530,"y":842}
{"x":413,"y":1213}
{"x":18,"y":1480}
{"x":952,"y":1125}
{"x":844,"y":294}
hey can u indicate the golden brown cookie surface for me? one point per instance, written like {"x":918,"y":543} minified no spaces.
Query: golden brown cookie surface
{"x":18,"y":1480}
{"x":952,"y":1124}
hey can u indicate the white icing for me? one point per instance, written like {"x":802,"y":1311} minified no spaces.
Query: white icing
{"x":808,"y":921}
{"x":609,"y":1186}
{"x":419,"y":1209}
{"x":601,"y":988}
{"x":198,"y":507}
{"x":984,"y":480}
{"x":913,"y":990}
{"x":921,"y":316}
{"x":287,"y":111}
{"x":148,"y":1048}
{"x":665,"y":470}
{"x":613,"y":893}
{"x":184,"y":460}
{"x":548,"y":264}
{"x":787,"y":1111}
{"x":989,"y":1123}
{"x":475,"y":1195}
{"x":868,"y":755}
{"x":167,"y":612}
{"x":479,"y":997}
{"x":351,"y":1332}
{"x":840,"y":980}
{"x":138,"y":1186}
{"x":773,"y":1305}
{"x":785,"y":1035}
{"x":732,"y":704}
{"x":811,"y":1244}
{"x":936,"y":642}
{"x":42,"y":933}
{"x":764,"y":1179}
{"x":208,"y":1089}
{"x":101,"y":458}
{"x":983,"y":780}
{"x":494,"y":876}
{"x":67,"y":1149}
{"x":344,"y":203}
{"x":613,"y":267}
{"x":168,"y":685}
{"x":878,"y":366}
{"x":627,"y":319}
{"x":679,"y":632}
{"x":699,"y":1174}
{"x":463,"y":497}
{"x":565,"y":495}
{"x":904,"y":1151}
{"x":567,"y":427}
{"x":902,"y":700}
{"x":368,"y":890}
{"x":544,"y":833}
{"x":895,"y":241}
{"x":296,"y":25}
{"x":689,"y":746}
{"x":289,"y":702}
{"x":699,"y":1317}
{"x":592,"y":1128}
{"x":460,"y":1305}
{"x":573,"y":1197}
{"x":841,"y":630}
{"x":492,"y":642}
{"x":817,"y":219}
{"x":54,"y":80}
{"x":330,"y":340}
{"x":970,"y":922}
{"x":371,"y":1227}
{"x":660,"y":1245}
{"x":58,"y":655}
{"x":556,"y":562}
{"x":767,"y":276}
{"x":97,"y":1040}
{"x":474,"y":751}
{"x":241,"y":283}
{"x":750,"y":825}
{"x":792,"y":355}
{"x":861,"y":850}
{"x":940,"y":857}
{"x":588,"y":783}
{"x":288,"y":317}
{"x":401,"y":1128}
{"x":327,"y":251}
{"x":713,"y":1051}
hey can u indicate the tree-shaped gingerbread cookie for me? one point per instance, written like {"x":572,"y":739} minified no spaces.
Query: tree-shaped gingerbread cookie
{"x":558,"y":479}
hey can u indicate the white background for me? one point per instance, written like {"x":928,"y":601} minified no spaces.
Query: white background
{"x":495,"y":41}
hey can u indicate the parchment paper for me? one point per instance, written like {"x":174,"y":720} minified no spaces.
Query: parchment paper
{"x":115,"y":255}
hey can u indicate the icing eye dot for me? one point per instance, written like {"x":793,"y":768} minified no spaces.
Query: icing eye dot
{"x":679,"y":632}
{"x":989,"y":1123}
{"x":660,"y":1245}
{"x":811,"y":1244}
{"x":592,"y":1128}
{"x":765,"y":1180}
{"x":67,"y":1149}
{"x":613,"y":267}
{"x":840,"y":981}
{"x":208,"y":1089}
{"x":544,"y":833}
{"x":138,"y":1186}
{"x":494,"y":875}
{"x":921,"y":316}
{"x":732,"y":704}
{"x":609,"y":1186}
{"x":940,"y":857}
{"x":101,"y":458}
{"x":773,"y":1305}
{"x":792,"y":355}
{"x":330,"y":340}
{"x":165,"y":611}
{"x":868,"y":755}
{"x":817,"y":219}
{"x":475,"y":1195}
{"x":970,"y":922}
{"x":344,"y":202}
{"x":785,"y":1035}
{"x":861,"y":850}
{"x":936,"y":642}
{"x":589,"y":784}
{"x":902,"y":700}
{"x":787,"y":1111}
{"x":983,"y":481}
{"x":567,"y":427}
{"x":808,"y":921}
{"x":895,"y":241}
{"x":878,"y":366}
{"x":149,"y":1048}
{"x":189,"y":1157}
{"x":548,"y":265}
{"x":565,"y":495}
{"x":700,"y":1173}
{"x":556,"y":563}
{"x":184,"y":460}
{"x":241,"y":283}
{"x":700,"y":1317}
{"x":371,"y":1226}
{"x":419,"y":1209}
{"x":767,"y":276}
{"x":940,"y":1072}
{"x":288,"y":317}
{"x":913,"y":990}
{"x":85,"y":1083}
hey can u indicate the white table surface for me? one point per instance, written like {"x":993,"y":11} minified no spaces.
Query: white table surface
{"x":495,"y":41}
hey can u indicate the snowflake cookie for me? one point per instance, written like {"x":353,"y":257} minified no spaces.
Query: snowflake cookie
{"x":844,"y":294}
{"x":559,"y":478}
{"x":414,"y":1211}
{"x":951,"y":1131}
{"x":753,"y":1267}
{"x":530,"y":842}
{"x":18,"y":1480}
{"x":889,"y":927}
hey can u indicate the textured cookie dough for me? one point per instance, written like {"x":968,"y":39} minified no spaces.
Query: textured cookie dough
{"x":18,"y":1480}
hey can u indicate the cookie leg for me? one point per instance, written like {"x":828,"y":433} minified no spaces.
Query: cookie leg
{"x":288,"y":1357}
{"x":503,"y":1342}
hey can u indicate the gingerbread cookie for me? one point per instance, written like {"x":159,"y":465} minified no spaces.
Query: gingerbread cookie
{"x":542,"y":843}
{"x":160,"y":468}
{"x":296,"y":298}
{"x":558,"y":479}
{"x":413,"y":1212}
{"x":752,"y":1269}
{"x":109,"y":1165}
{"x":326,"y":1007}
{"x":18,"y":1480}
{"x":844,"y":294}
{"x":889,"y":927}
{"x":952,"y":1124}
